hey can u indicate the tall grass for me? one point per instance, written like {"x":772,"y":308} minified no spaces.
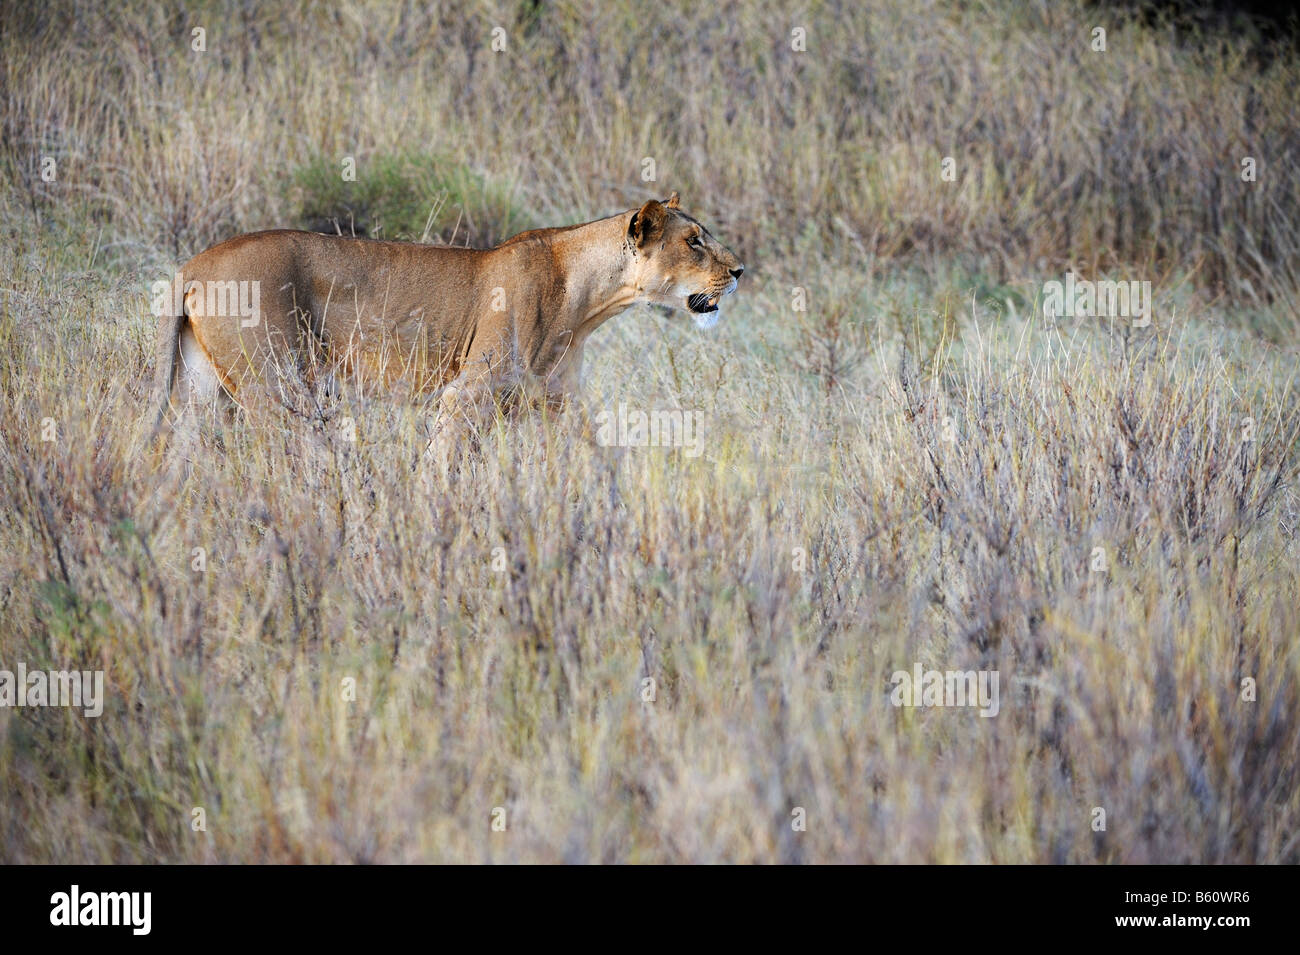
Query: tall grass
{"x":633,"y":654}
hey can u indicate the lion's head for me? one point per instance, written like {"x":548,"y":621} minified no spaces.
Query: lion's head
{"x":678,"y":263}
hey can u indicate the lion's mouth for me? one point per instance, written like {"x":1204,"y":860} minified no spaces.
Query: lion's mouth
{"x":702,"y":304}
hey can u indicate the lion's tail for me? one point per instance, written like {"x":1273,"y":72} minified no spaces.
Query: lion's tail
{"x":169,"y":346}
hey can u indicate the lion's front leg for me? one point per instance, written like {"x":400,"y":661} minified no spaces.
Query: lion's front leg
{"x":465,"y":408}
{"x":570,"y":413}
{"x":560,"y":398}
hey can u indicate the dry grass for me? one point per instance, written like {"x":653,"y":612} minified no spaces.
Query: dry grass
{"x":912,"y":471}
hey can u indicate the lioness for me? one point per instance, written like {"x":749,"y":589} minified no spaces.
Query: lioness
{"x":471,"y":322}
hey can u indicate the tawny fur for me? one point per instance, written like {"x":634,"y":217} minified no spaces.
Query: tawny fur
{"x":466,"y":321}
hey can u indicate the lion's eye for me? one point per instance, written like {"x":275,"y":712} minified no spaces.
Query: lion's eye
{"x":694,"y":242}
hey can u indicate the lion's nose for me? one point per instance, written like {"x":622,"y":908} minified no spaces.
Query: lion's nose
{"x":735,"y":273}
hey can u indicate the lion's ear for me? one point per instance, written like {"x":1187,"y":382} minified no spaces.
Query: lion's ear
{"x":647,"y":223}
{"x":671,"y":202}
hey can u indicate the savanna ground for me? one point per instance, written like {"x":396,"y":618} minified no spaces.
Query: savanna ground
{"x":338,"y":657}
